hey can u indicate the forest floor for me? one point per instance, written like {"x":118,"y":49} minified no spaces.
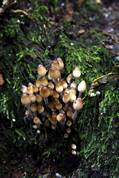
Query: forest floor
{"x":19,"y":165}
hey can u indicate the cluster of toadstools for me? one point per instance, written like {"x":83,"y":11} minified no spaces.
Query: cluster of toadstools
{"x":52,"y":101}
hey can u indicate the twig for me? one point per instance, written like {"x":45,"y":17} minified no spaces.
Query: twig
{"x":20,"y":11}
{"x":103,"y":80}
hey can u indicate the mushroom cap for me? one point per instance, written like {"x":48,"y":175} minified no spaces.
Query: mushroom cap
{"x":54,"y":73}
{"x":69,"y":123}
{"x":59,"y":88}
{"x":51,"y":85}
{"x":55,"y":64}
{"x":33,"y":107}
{"x":51,"y":92}
{"x":73,"y":85}
{"x":69,"y":78}
{"x":57,"y":104}
{"x":69,"y":113}
{"x":82,"y":86}
{"x":32,"y":98}
{"x":38,"y":98}
{"x":72,"y":93}
{"x":63,"y":83}
{"x":30,"y":89}
{"x":44,"y":92}
{"x":37,"y":121}
{"x":25,"y":99}
{"x":74,"y":152}
{"x":55,"y":94}
{"x":24,"y":89}
{"x":73,"y":146}
{"x":78,"y":104}
{"x":53,"y":119}
{"x":1,"y":80}
{"x":68,"y":130}
{"x":38,"y":83}
{"x":40,"y":108}
{"x":76,"y":72}
{"x":35,"y":89}
{"x":61,"y":117}
{"x":43,"y":82}
{"x":41,"y":70}
{"x":66,"y":97}
{"x":61,"y":63}
{"x":51,"y":105}
{"x":66,"y":135}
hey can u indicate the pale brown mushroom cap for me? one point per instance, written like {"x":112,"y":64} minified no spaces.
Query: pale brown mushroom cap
{"x":66,"y":96}
{"x":72,"y":93}
{"x":69,"y":113}
{"x":54,"y":73}
{"x":55,"y":64}
{"x":53,"y":119}
{"x":76,"y":72}
{"x":51,"y":85}
{"x":32,"y":98}
{"x":63,"y":83}
{"x":37,"y":121}
{"x":61,"y":63}
{"x":25,"y":99}
{"x":55,"y":94}
{"x":44,"y":92}
{"x":58,"y":106}
{"x":1,"y":80}
{"x":40,"y":108}
{"x":33,"y":107}
{"x":41,"y":70}
{"x":38,"y":98}
{"x":69,"y":78}
{"x":30,"y":89}
{"x":78,"y":104}
{"x":38,"y":83}
{"x":59,"y":88}
{"x":51,"y":105}
{"x":43,"y":82}
{"x":35,"y":89}
{"x":61,"y":117}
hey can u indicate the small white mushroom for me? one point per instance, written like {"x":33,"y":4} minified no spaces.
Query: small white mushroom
{"x":24,"y":89}
{"x":73,"y":152}
{"x":76,"y":72}
{"x":73,"y":146}
{"x":82,"y":86}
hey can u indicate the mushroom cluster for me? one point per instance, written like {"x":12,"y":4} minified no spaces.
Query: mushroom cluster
{"x":53,"y":101}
